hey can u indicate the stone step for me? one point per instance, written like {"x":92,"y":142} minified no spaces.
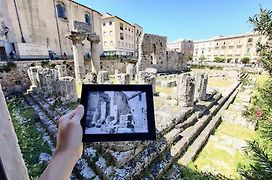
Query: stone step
{"x":120,"y":158}
{"x":200,"y":141}
{"x":205,"y":134}
{"x":189,"y":135}
{"x":82,"y":167}
{"x":98,"y":165}
{"x":135,"y":166}
{"x":45,"y":107}
{"x":50,"y":126}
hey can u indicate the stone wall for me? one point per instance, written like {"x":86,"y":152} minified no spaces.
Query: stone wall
{"x":153,"y":54}
{"x":10,"y":153}
{"x":118,"y":64}
{"x":17,"y":79}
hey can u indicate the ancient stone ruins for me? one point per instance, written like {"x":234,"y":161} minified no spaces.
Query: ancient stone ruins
{"x":53,"y":83}
{"x":186,"y":109}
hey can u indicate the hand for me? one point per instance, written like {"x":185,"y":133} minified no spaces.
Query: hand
{"x":70,"y":133}
{"x":69,"y":146}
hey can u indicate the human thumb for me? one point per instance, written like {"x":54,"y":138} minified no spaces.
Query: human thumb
{"x":78,"y":114}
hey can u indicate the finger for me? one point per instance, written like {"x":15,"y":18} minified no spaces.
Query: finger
{"x":79,"y":112}
{"x":69,"y":115}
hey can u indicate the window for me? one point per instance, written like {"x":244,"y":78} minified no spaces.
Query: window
{"x":61,"y":10}
{"x":111,"y":43}
{"x":122,"y":44}
{"x":125,"y":27}
{"x":121,"y":26}
{"x":118,"y":43}
{"x":250,"y":40}
{"x":110,"y":23}
{"x":140,"y":97}
{"x":104,"y":33}
{"x":122,"y":36}
{"x":87,"y":18}
{"x":110,"y":33}
{"x":128,"y":29}
{"x":105,"y":43}
{"x":104,"y":24}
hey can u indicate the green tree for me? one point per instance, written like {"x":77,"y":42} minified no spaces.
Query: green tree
{"x":189,"y":57}
{"x":245,"y":60}
{"x":218,"y":59}
{"x":260,"y":151}
{"x":262,"y":24}
{"x":202,"y":58}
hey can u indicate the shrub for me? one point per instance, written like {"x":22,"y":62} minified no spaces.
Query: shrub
{"x":245,"y":60}
{"x":219,"y":59}
{"x":8,"y":67}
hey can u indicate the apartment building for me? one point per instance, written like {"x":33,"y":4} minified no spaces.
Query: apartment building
{"x":230,"y":48}
{"x":138,"y":33}
{"x":43,"y":23}
{"x":182,"y":45}
{"x":119,"y":36}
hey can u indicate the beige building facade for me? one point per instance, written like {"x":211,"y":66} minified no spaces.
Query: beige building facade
{"x":45,"y":22}
{"x":230,"y":48}
{"x":119,"y":36}
{"x":183,"y":46}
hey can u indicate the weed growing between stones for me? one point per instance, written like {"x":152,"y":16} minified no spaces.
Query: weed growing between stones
{"x":30,"y":140}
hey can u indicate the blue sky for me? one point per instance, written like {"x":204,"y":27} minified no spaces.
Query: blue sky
{"x":189,"y":19}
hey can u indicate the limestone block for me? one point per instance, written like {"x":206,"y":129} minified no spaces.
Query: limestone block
{"x":10,"y":153}
{"x":62,"y":70}
{"x":102,"y":77}
{"x":185,"y":90}
{"x":32,"y":74}
{"x":201,"y":82}
{"x":122,"y":78}
{"x":131,"y":70}
{"x":67,"y":89}
{"x":151,"y":71}
{"x":47,"y":80}
{"x":90,"y":78}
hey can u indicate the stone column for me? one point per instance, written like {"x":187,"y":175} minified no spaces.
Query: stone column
{"x":185,"y":90}
{"x":77,"y":39}
{"x":79,"y":61}
{"x":94,"y":40}
{"x":33,"y":76}
{"x":201,"y":81}
{"x":95,"y":56}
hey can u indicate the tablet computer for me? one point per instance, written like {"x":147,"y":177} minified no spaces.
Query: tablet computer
{"x":117,"y":113}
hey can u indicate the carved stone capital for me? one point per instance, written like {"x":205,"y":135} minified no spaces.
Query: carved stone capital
{"x":76,"y":37}
{"x":93,"y":38}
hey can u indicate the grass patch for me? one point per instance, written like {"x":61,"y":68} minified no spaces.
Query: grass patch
{"x":219,"y":82}
{"x":166,"y":90}
{"x":223,"y":157}
{"x":29,"y":138}
{"x":235,"y":131}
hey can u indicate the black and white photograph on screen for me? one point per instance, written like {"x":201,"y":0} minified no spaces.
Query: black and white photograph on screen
{"x":116,"y":112}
